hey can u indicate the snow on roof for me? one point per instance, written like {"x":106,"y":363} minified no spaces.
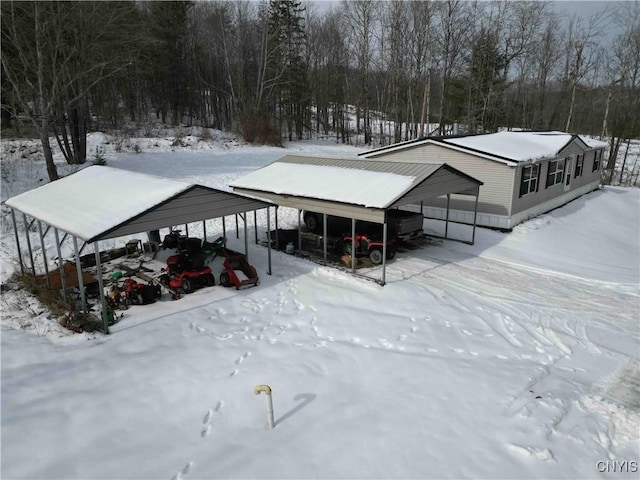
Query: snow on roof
{"x":511,"y":146}
{"x":346,"y":185}
{"x":95,"y":199}
{"x":516,"y":146}
{"x":592,"y":142}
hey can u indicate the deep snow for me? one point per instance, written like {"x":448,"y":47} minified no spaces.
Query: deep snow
{"x":512,"y":358}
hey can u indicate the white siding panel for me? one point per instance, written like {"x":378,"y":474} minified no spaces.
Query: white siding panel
{"x":495,"y":194}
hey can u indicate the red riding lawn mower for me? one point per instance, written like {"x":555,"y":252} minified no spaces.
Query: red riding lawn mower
{"x":186,"y":271}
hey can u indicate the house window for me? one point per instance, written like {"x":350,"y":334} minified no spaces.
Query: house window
{"x":579,"y":165}
{"x":555,"y":174}
{"x":529,"y":182}
{"x":596,"y":160}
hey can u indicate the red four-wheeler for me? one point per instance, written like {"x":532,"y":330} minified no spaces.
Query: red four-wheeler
{"x":365,"y":247}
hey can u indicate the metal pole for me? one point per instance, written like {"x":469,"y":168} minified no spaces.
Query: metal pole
{"x":384,"y":251}
{"x":324,"y":236}
{"x":204,"y":230}
{"x":353,"y":245}
{"x":446,"y":223}
{"x":269,"y":241}
{"x":103,"y":300}
{"x":26,"y":232}
{"x":224,"y":229}
{"x":299,"y":230}
{"x":61,"y":271}
{"x":237,"y":231}
{"x":255,"y":224}
{"x":421,"y":207}
{"x":475,"y":216}
{"x":246,"y":240}
{"x":44,"y":255}
{"x":277,"y":240}
{"x":15,"y":231}
{"x":80,"y":279}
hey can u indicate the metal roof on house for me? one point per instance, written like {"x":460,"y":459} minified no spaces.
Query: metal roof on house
{"x":102,"y":202}
{"x":355,"y":188}
{"x":507,"y":146}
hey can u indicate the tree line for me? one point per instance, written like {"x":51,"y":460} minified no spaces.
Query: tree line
{"x":371,"y":72}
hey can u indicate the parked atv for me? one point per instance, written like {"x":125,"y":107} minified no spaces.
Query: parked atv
{"x":365,"y":247}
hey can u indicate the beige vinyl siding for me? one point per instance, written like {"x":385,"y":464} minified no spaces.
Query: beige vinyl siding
{"x":588,"y":176}
{"x":542,"y":195}
{"x":573,"y":148}
{"x":495,"y":194}
{"x":440,"y":183}
{"x":546,"y":194}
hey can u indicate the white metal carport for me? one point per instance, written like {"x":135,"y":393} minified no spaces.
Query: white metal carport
{"x":99,"y":203}
{"x":354,"y":188}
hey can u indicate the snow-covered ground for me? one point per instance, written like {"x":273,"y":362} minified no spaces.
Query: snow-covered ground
{"x":517,"y":357}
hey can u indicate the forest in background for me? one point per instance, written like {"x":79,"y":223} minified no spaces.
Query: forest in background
{"x":285,"y":69}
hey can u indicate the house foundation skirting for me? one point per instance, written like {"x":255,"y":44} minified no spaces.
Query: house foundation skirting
{"x":553,"y":203}
{"x":502,"y":222}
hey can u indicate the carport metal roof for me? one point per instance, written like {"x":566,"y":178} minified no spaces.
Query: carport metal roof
{"x":101,"y":202}
{"x":353,"y":188}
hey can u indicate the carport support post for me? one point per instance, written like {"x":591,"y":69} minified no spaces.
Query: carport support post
{"x":224,"y":230}
{"x":269,"y":241}
{"x":353,"y":245}
{"x":324,"y":236}
{"x":103,"y":300}
{"x":277,"y":240}
{"x":44,"y":255}
{"x":246,"y":240}
{"x":299,"y":230}
{"x":475,"y":216}
{"x":384,"y":251}
{"x":255,"y":224}
{"x":204,"y":230}
{"x":446,"y":223}
{"x":15,"y":231}
{"x":186,"y":229}
{"x":61,"y":271}
{"x":26,"y":232}
{"x":237,"y":231}
{"x":80,"y":279}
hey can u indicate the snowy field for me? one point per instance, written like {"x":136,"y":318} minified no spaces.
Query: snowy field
{"x":517,"y":357}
